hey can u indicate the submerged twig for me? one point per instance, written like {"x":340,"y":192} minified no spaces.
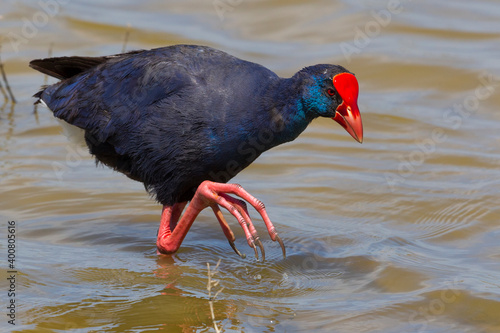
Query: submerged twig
{"x":4,"y":93}
{"x":213,"y":283}
{"x":125,"y":40}
{"x":49,"y":55}
{"x":4,"y":76}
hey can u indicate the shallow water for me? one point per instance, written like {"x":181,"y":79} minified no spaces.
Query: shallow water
{"x":399,"y":234}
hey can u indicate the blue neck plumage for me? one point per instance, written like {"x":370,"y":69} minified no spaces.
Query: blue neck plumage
{"x":293,"y":114}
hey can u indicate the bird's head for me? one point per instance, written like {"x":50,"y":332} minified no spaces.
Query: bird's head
{"x":332,"y":91}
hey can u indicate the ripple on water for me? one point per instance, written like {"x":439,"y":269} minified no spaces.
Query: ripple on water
{"x":452,"y":222}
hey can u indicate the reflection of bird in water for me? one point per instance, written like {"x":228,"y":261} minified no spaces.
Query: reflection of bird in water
{"x":176,"y":307}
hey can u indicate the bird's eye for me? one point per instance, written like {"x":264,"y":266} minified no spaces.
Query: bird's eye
{"x":331,"y":92}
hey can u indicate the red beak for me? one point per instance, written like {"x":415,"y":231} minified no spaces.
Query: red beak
{"x":347,"y":113}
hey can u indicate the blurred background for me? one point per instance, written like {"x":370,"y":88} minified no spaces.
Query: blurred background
{"x":399,"y":234}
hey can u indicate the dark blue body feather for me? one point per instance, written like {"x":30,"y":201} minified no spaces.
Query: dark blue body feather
{"x":176,"y":116}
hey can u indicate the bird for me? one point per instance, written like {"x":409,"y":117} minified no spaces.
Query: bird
{"x":185,"y":119}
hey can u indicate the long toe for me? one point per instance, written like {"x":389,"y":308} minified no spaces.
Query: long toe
{"x":217,"y":195}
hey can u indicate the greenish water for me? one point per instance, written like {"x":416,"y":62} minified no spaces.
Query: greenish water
{"x":399,"y":234}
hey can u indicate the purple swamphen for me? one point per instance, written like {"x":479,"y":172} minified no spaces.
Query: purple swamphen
{"x":185,"y":119}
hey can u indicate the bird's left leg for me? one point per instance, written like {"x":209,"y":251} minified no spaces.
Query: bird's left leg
{"x":226,"y":229}
{"x":218,"y":194}
{"x":241,"y":206}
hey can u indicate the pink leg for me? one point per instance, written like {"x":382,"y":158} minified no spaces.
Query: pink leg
{"x":227,"y":230}
{"x":172,"y":233}
{"x":258,"y":205}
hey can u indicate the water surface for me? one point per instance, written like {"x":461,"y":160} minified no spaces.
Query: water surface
{"x":399,"y":234}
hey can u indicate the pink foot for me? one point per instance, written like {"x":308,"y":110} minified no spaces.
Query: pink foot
{"x":172,"y":230}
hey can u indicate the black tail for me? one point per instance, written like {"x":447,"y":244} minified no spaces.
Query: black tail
{"x":66,"y":67}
